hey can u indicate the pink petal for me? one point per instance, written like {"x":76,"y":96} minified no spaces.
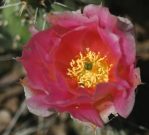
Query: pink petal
{"x":124,"y":104}
{"x":112,"y":98}
{"x":127,"y":43}
{"x":107,"y":109}
{"x":106,"y":20}
{"x":124,"y":24}
{"x":125,"y":30}
{"x":37,"y":108}
{"x":105,"y":89}
{"x":68,"y":19}
{"x":112,"y":47}
{"x":37,"y":58}
{"x":41,"y":104}
{"x":87,"y":114}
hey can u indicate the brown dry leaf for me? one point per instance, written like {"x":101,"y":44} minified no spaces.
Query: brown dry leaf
{"x":10,"y":92}
{"x":12,"y":76}
{"x":12,"y":104}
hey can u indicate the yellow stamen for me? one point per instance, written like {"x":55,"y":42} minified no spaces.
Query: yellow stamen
{"x":89,"y":69}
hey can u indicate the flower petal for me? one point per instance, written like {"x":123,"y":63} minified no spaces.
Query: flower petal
{"x":87,"y":114}
{"x":36,"y":107}
{"x":124,"y":24}
{"x":107,"y":109}
{"x":37,"y":58}
{"x":69,"y":19}
{"x":112,"y":47}
{"x":106,"y":20}
{"x":124,"y":104}
{"x":127,"y":43}
{"x":125,"y":30}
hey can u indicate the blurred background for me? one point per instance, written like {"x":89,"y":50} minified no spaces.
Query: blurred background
{"x":16,"y":16}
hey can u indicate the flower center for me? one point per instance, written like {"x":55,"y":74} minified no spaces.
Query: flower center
{"x":89,"y":69}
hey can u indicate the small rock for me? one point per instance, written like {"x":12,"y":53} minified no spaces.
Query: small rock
{"x":5,"y":118}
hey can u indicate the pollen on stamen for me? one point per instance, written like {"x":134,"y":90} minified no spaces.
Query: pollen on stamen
{"x":89,"y":69}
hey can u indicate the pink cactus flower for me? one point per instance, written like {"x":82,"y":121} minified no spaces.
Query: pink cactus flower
{"x":84,"y":64}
